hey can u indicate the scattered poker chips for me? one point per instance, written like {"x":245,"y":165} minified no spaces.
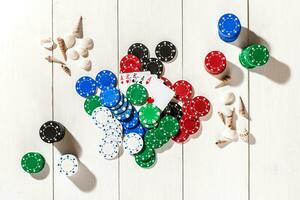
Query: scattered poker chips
{"x":165,"y":51}
{"x":133,"y":143}
{"x":137,"y":94}
{"x":68,"y":164}
{"x":130,"y":63}
{"x":215,"y":62}
{"x":52,"y":131}
{"x":86,"y":86}
{"x":32,"y":162}
{"x":229,"y":27}
{"x":155,"y":66}
{"x":253,"y":56}
{"x":139,"y":50}
{"x":91,"y":103}
{"x":106,"y":79}
{"x":183,"y":90}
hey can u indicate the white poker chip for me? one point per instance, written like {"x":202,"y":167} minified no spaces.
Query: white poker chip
{"x":68,"y":164}
{"x":108,"y":148}
{"x":133,"y":143}
{"x":114,"y":134}
{"x":101,"y":116}
{"x":113,"y":123}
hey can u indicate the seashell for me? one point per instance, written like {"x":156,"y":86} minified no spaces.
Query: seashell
{"x":83,"y":52}
{"x":227,"y":111}
{"x":87,"y":43}
{"x":221,"y":115}
{"x":72,"y":54}
{"x":86,"y":64}
{"x":230,"y":134}
{"x":62,"y":47}
{"x":66,"y":69}
{"x":244,"y":135}
{"x":70,"y":41}
{"x":48,"y":44}
{"x":222,"y":141}
{"x":242,"y":108}
{"x":78,"y":29}
{"x":54,"y":60}
{"x":227,"y":98}
{"x":224,"y":81}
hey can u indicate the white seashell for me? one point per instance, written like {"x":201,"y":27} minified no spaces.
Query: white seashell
{"x":48,"y":44}
{"x":86,"y":64}
{"x":227,"y":98}
{"x":83,"y":52}
{"x":227,"y":111}
{"x":78,"y":29}
{"x":244,"y":135}
{"x":72,"y":54}
{"x":69,"y":41}
{"x":87,"y":43}
{"x":230,"y":134}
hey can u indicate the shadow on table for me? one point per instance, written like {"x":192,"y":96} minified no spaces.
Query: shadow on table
{"x":42,"y":174}
{"x":69,"y":144}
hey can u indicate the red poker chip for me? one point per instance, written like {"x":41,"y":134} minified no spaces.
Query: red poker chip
{"x":189,"y":124}
{"x":188,"y":110}
{"x":181,"y":137}
{"x":215,"y":62}
{"x":200,"y":106}
{"x":183,"y":90}
{"x":166,"y":81}
{"x":130,"y":63}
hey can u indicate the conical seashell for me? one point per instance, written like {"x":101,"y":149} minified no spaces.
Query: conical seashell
{"x":229,"y":120}
{"x":244,"y":135}
{"x":230,"y":134}
{"x":83,"y":52}
{"x":86,"y":64}
{"x":87,"y":43}
{"x":70,"y":41}
{"x":54,"y":60}
{"x":224,"y":81}
{"x":227,"y":98}
{"x":62,"y":47}
{"x":48,"y":44}
{"x":222,"y":141}
{"x":72,"y":54}
{"x":242,"y":108}
{"x":78,"y":29}
{"x":221,"y":115}
{"x":227,"y":110}
{"x":66,"y":69}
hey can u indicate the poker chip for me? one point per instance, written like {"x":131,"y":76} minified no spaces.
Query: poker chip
{"x":215,"y":62}
{"x":106,"y":79}
{"x":133,"y":143}
{"x":183,"y":90}
{"x":91,"y":103}
{"x":139,"y":50}
{"x":101,"y":116}
{"x":108,"y":148}
{"x":32,"y":162}
{"x":150,"y":140}
{"x":169,"y":126}
{"x":189,"y":125}
{"x":132,"y":121}
{"x":165,"y":51}
{"x":256,"y":55}
{"x":200,"y":106}
{"x":110,"y":97}
{"x":125,"y":115}
{"x":166,"y":81}
{"x":182,"y":136}
{"x":114,"y":132}
{"x":68,"y":164}
{"x":139,"y":129}
{"x":137,"y":94}
{"x":229,"y":27}
{"x":187,"y":110}
{"x":173,"y":109}
{"x":155,"y":66}
{"x":120,"y":104}
{"x":130,"y":63}
{"x":146,"y":164}
{"x":149,"y":114}
{"x":52,"y":131}
{"x":145,"y":154}
{"x":113,"y":123}
{"x":122,"y":108}
{"x":86,"y":86}
{"x":150,"y":126}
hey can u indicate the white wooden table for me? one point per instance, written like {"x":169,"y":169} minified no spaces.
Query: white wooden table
{"x":33,"y":92}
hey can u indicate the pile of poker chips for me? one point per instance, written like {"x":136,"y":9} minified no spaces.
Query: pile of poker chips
{"x":229,"y":27}
{"x":253,"y":56}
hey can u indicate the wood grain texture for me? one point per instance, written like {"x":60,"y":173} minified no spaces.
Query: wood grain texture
{"x":274,"y":102}
{"x":25,"y":84}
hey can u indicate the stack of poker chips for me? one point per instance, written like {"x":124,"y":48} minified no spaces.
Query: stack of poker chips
{"x":229,"y":27}
{"x":254,"y":56}
{"x":52,"y":131}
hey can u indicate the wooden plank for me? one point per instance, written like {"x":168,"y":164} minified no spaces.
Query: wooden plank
{"x":151,"y":23}
{"x":274,"y":163}
{"x":97,"y":178}
{"x":25,"y":84}
{"x":210,"y":171}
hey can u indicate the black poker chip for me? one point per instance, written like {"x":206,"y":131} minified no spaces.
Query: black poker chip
{"x":140,"y":51}
{"x":165,"y":51}
{"x":52,"y":131}
{"x":155,"y":66}
{"x":173,"y":109}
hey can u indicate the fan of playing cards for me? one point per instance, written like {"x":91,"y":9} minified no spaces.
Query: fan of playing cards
{"x":140,"y":110}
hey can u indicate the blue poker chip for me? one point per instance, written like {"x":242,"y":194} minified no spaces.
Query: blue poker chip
{"x":106,"y":79}
{"x":119,"y":105}
{"x":229,"y":26}
{"x":86,"y":86}
{"x":125,"y":115}
{"x":226,"y":39}
{"x":132,"y":121}
{"x":138,"y":129}
{"x":122,"y":108}
{"x":110,"y":97}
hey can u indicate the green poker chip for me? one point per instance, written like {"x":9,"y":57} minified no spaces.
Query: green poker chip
{"x":91,"y":103}
{"x":169,"y":126}
{"x":147,"y":163}
{"x":149,"y":126}
{"x":145,"y":154}
{"x":149,"y":114}
{"x":155,"y":138}
{"x":243,"y":61}
{"x":253,"y":56}
{"x":137,"y":94}
{"x":32,"y":162}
